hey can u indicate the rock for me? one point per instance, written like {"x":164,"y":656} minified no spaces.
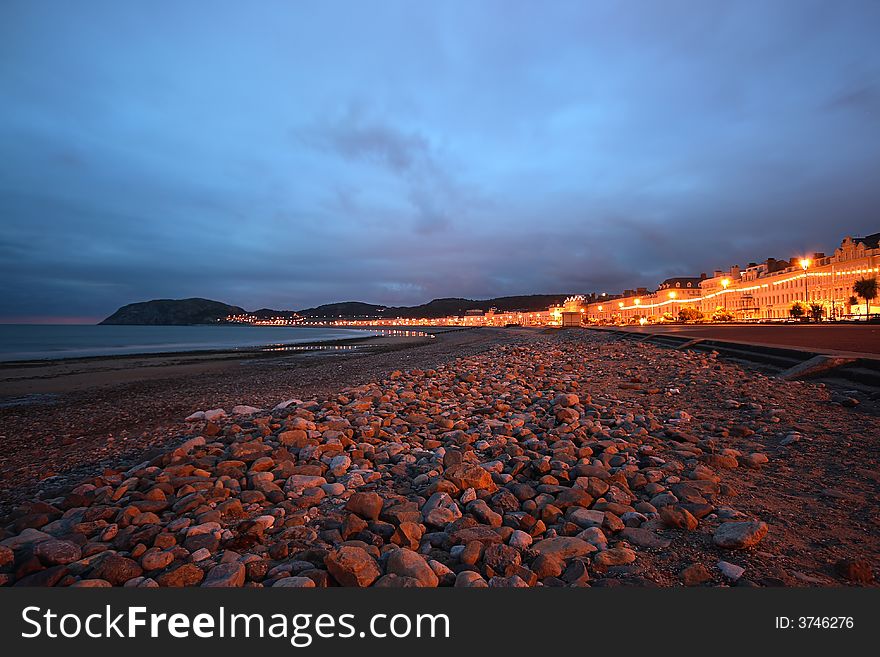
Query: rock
{"x":188,"y":574}
{"x":198,"y":416}
{"x":155,"y":559}
{"x":7,"y":557}
{"x":339,"y":465}
{"x":352,"y":566}
{"x":366,"y":505}
{"x":520,"y":540}
{"x":754,"y":460}
{"x":730,"y":571}
{"x":678,"y":517}
{"x":470,"y":579}
{"x":855,"y":570}
{"x":644,"y":538}
{"x":225,"y":575}
{"x":618,"y":556}
{"x":467,"y":475}
{"x":243,"y":410}
{"x":54,"y":552}
{"x":117,"y":570}
{"x":739,"y":535}
{"x":695,"y":574}
{"x":91,"y":584}
{"x":29,"y":536}
{"x":215,"y":414}
{"x":294,"y":583}
{"x":407,"y":563}
{"x":563,"y":547}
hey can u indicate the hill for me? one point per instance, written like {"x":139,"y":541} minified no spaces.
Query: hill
{"x":175,"y":312}
{"x":435,"y":308}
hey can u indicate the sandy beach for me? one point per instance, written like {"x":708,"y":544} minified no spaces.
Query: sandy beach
{"x":70,"y":417}
{"x":487,"y":457}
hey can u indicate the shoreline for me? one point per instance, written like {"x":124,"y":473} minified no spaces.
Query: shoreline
{"x":58,"y":376}
{"x":68,"y":419}
{"x":504,"y":457}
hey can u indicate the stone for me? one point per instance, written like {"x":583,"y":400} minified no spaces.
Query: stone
{"x":366,"y":505}
{"x":467,"y":475}
{"x":117,"y":569}
{"x":644,"y":538}
{"x":225,"y":575}
{"x":407,"y":563}
{"x":294,"y":583}
{"x":54,"y":552}
{"x":618,"y":556}
{"x":155,"y":559}
{"x":470,"y":579}
{"x":188,"y":574}
{"x":519,"y":539}
{"x":677,"y":517}
{"x":352,"y":566}
{"x":695,"y":574}
{"x":563,"y":547}
{"x":730,"y":571}
{"x":739,"y":535}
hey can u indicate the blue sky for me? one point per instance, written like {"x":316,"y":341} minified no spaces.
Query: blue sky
{"x":286,"y":154}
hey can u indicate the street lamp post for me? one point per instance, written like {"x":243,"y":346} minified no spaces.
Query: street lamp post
{"x":805,"y":264}
{"x":672,"y":296}
{"x":724,"y":283}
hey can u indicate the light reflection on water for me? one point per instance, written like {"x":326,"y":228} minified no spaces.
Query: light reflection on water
{"x":396,"y":333}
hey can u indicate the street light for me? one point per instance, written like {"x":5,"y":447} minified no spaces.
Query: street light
{"x":805,"y":264}
{"x":672,"y":296}
{"x":724,"y":283}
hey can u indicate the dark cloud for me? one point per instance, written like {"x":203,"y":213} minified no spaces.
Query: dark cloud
{"x":290,"y":155}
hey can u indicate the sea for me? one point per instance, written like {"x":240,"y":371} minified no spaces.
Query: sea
{"x":20,"y":342}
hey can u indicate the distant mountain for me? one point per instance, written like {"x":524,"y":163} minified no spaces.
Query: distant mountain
{"x":434,"y":309}
{"x":175,"y":312}
{"x":346,"y":309}
{"x":205,"y":311}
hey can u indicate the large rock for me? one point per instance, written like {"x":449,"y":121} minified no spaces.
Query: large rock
{"x":225,"y":575}
{"x":407,"y":563}
{"x":117,"y":569}
{"x":563,"y":547}
{"x":366,"y":505}
{"x":352,"y":566}
{"x":739,"y":535}
{"x":468,"y":475}
{"x":55,"y":552}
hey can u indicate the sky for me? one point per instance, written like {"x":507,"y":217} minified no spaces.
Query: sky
{"x":287,"y":154}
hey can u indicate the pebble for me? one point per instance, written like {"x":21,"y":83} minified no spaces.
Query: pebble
{"x":730,"y":571}
{"x":739,"y":535}
{"x":512,"y":467}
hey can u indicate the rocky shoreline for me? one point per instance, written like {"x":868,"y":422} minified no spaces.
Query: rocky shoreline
{"x":566,"y":460}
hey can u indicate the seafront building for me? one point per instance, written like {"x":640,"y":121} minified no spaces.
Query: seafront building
{"x":762,"y":291}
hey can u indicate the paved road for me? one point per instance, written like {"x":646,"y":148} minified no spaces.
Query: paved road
{"x":821,"y":337}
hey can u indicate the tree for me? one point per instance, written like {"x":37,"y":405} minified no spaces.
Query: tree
{"x":667,"y":317}
{"x":797,"y":310}
{"x":867,"y":289}
{"x":816,"y":311}
{"x":722,"y":314}
{"x":688,"y":314}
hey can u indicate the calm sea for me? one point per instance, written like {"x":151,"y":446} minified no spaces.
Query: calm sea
{"x":40,"y":341}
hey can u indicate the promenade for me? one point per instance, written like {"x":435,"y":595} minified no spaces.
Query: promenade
{"x":826,"y":338}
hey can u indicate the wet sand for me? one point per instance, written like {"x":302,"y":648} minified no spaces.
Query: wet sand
{"x":67,"y":419}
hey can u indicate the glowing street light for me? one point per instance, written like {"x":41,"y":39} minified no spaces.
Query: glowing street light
{"x":672,"y":296}
{"x":724,"y":283}
{"x":805,"y":264}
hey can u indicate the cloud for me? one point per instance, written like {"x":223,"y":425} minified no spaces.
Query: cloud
{"x":290,"y":156}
